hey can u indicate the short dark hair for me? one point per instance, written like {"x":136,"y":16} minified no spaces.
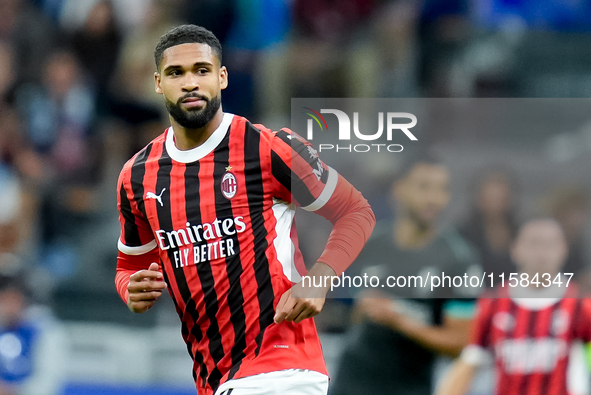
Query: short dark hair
{"x":186,"y":34}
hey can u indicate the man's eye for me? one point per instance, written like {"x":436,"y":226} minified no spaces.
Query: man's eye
{"x":202,"y":71}
{"x":175,"y":72}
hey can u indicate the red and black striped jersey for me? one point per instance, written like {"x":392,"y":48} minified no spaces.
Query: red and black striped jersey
{"x":222,"y":219}
{"x":530,"y":339}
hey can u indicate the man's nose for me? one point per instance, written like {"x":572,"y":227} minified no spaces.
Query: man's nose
{"x":190,"y":83}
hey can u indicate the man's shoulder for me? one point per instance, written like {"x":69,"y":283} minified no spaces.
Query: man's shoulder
{"x":139,"y":159}
{"x":280,"y":139}
{"x":284,"y":133}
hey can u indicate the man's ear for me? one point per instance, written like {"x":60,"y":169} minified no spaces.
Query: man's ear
{"x":223,"y":77}
{"x":157,"y":86}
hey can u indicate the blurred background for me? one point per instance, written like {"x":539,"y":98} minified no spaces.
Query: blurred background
{"x":77,"y":100}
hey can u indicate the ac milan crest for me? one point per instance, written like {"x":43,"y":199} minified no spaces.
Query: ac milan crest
{"x":229,"y":185}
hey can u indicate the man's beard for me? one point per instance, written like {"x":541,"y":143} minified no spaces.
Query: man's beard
{"x":193,"y":118}
{"x":419,"y":221}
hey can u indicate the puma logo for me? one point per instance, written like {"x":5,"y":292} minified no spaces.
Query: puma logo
{"x":152,"y":195}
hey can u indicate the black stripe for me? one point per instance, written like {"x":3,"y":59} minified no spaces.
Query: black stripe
{"x":138,"y":171}
{"x":165,"y":222}
{"x":223,"y":208}
{"x":130,"y":230}
{"x":290,"y":180}
{"x":280,"y":170}
{"x":305,"y":151}
{"x":193,"y":202}
{"x":193,"y":212}
{"x":254,"y":191}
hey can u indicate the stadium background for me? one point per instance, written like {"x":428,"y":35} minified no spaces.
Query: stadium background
{"x":77,"y":100}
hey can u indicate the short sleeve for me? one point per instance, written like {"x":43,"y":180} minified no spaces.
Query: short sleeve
{"x":299,"y":175}
{"x":136,"y":234}
{"x":476,"y":352}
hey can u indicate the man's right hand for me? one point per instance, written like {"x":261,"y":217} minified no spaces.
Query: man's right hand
{"x":144,"y":288}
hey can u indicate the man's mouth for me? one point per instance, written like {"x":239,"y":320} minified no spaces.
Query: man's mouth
{"x":193,"y":102}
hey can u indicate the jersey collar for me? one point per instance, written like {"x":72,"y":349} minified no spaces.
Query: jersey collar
{"x":537,"y":299}
{"x":199,"y":152}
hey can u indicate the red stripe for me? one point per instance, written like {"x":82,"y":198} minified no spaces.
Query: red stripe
{"x":543,"y":321}
{"x":557,"y":383}
{"x":522,"y":320}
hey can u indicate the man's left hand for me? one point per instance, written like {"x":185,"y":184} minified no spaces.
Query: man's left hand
{"x":297,"y":309}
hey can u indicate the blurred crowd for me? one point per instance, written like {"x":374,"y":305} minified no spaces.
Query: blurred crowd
{"x":77,"y":100}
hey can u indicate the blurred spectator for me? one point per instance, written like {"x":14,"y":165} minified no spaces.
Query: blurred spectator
{"x":443,"y":31}
{"x":128,"y":13}
{"x":256,"y":28}
{"x":491,"y":224}
{"x":541,"y":14}
{"x":97,"y":44}
{"x":570,"y":207}
{"x":134,"y":101}
{"x":529,"y":329}
{"x":27,"y":339}
{"x":134,"y":80}
{"x":10,"y":208}
{"x":30,"y":35}
{"x":215,"y":15}
{"x":17,"y":337}
{"x":330,"y":20}
{"x":8,"y":75}
{"x":18,"y":214}
{"x":396,"y":53}
{"x":51,"y":8}
{"x":395,"y":346}
{"x":58,"y":113}
{"x":323,"y":30}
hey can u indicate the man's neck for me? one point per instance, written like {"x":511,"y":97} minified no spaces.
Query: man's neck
{"x":408,"y":234}
{"x":186,"y":139}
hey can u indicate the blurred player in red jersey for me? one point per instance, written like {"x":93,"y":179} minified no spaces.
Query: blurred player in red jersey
{"x":529,"y":330}
{"x":207,"y":211}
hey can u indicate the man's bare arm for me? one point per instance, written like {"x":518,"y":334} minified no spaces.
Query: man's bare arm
{"x":458,"y":379}
{"x":448,"y":339}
